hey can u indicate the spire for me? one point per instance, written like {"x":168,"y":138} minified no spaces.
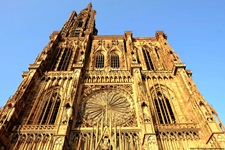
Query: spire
{"x":77,"y":24}
{"x":89,"y":6}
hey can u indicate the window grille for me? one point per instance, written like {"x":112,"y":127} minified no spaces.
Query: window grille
{"x":50,"y":109}
{"x":115,"y":62}
{"x":148,"y":60}
{"x":164,"y":109}
{"x":55,"y":59}
{"x":65,"y":60}
{"x":99,"y":61}
{"x":80,"y":23}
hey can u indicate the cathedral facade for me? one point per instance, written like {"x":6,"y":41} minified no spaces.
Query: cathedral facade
{"x":90,"y":92}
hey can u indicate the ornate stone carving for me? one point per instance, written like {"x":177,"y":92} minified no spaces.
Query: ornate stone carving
{"x":177,"y":126}
{"x":90,"y":89}
{"x":6,"y":114}
{"x":107,"y":77}
{"x":107,"y":106}
{"x":114,"y":140}
{"x":37,"y":128}
{"x":67,"y":114}
{"x":145,"y":111}
{"x":107,"y":92}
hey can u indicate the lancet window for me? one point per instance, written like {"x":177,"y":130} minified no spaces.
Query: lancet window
{"x":99,"y":61}
{"x":115,"y":62}
{"x":65,"y":60}
{"x":49,"y":108}
{"x":80,"y":23}
{"x":157,"y":53}
{"x":62,"y":59}
{"x":55,"y":58}
{"x":163,"y":109}
{"x":46,"y":109}
{"x":147,"y":58}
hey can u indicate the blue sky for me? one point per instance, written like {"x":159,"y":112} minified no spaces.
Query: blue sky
{"x":195,"y":30}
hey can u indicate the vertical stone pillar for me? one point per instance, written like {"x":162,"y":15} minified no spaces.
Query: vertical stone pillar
{"x":129,"y":48}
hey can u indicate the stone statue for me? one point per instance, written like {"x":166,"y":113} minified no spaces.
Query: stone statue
{"x":67,"y":114}
{"x":105,"y":144}
{"x":146,"y":115}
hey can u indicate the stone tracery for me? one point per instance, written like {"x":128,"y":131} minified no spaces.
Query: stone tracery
{"x":108,"y":106}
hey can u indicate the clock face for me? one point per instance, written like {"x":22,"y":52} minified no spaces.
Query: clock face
{"x":107,"y":107}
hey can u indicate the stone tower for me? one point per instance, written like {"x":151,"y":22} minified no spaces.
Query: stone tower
{"x":91,"y":92}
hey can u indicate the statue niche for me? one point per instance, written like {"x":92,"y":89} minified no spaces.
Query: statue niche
{"x":145,"y":111}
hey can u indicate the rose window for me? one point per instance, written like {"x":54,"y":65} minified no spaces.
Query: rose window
{"x":106,"y":107}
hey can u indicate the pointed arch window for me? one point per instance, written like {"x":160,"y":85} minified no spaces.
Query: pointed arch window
{"x":99,"y":61}
{"x":62,"y":59}
{"x":115,"y":62}
{"x":77,"y":33}
{"x":147,"y":58}
{"x":49,"y":108}
{"x":55,"y":58}
{"x":163,"y":109}
{"x":80,"y":24}
{"x":65,"y":60}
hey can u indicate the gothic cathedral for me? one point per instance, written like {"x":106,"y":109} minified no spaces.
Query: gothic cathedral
{"x":91,"y":92}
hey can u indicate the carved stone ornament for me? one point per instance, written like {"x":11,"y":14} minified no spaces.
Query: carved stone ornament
{"x":108,"y":106}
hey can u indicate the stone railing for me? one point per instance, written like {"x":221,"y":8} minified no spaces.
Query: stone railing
{"x":108,"y":77}
{"x":157,"y":74}
{"x":177,"y":127}
{"x":59,"y":75}
{"x":35,"y":128}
